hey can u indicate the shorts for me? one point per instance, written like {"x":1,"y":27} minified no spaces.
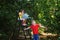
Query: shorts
{"x":35,"y":37}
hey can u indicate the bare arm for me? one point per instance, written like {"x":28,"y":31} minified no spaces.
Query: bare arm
{"x":41,"y":26}
{"x":27,"y":28}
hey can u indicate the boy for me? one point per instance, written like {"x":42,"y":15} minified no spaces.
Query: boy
{"x":34,"y":28}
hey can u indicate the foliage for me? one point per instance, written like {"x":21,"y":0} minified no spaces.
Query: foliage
{"x":46,"y":12}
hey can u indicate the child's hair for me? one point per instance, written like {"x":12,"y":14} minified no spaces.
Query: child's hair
{"x":22,"y":10}
{"x":33,"y":22}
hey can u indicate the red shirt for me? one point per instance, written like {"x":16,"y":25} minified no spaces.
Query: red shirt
{"x":34,"y":28}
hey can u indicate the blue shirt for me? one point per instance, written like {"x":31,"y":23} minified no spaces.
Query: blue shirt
{"x":25,"y":16}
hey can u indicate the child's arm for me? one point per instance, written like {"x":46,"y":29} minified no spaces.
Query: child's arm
{"x":41,"y":26}
{"x":27,"y":28}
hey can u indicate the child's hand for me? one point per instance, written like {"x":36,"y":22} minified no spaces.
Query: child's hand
{"x":25,"y":29}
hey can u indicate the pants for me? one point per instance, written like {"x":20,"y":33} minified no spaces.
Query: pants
{"x":35,"y":37}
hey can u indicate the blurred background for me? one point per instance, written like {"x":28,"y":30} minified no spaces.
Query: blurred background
{"x":46,"y":12}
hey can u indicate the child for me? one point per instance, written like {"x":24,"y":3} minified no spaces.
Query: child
{"x":22,"y":18}
{"x":34,"y":28}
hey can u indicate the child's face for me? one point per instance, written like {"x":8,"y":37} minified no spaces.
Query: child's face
{"x":33,"y":22}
